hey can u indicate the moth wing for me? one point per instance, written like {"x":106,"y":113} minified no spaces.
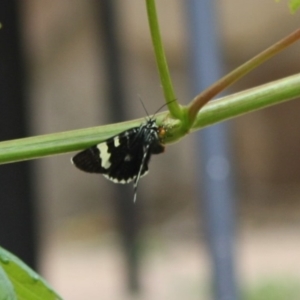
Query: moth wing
{"x":126,"y":161}
{"x":118,"y":159}
{"x":89,"y":160}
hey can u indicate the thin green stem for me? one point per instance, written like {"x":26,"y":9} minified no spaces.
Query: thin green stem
{"x":201,"y":99}
{"x":161,"y":61}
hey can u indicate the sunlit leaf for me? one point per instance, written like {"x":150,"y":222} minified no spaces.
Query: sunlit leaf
{"x":18,"y":281}
{"x":294,"y":5}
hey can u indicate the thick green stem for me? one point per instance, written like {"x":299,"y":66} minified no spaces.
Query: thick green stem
{"x":57,"y":143}
{"x":216,"y":111}
{"x":248,"y":101}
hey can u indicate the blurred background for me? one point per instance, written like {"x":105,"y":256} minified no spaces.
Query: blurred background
{"x":80,"y":247}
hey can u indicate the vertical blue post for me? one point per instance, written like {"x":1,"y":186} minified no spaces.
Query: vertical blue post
{"x":215,"y":169}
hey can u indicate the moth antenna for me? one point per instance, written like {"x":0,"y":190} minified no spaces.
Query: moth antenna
{"x":165,"y":104}
{"x":145,"y":109}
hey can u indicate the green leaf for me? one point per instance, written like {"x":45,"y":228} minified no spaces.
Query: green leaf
{"x":7,"y":291}
{"x":294,"y":5}
{"x":18,"y":281}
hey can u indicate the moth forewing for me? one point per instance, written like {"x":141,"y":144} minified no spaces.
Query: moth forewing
{"x":124,"y":157}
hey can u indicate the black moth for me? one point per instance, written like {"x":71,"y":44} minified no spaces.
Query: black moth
{"x":124,"y":157}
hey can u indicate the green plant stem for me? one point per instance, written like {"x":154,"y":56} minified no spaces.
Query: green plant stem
{"x":216,"y":111}
{"x":161,"y":61}
{"x":57,"y":143}
{"x":251,"y":100}
{"x":201,"y":99}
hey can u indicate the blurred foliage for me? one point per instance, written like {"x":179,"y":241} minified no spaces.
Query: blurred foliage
{"x":274,"y":289}
{"x":294,"y":5}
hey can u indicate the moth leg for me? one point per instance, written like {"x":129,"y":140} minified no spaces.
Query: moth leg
{"x":137,"y":178}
